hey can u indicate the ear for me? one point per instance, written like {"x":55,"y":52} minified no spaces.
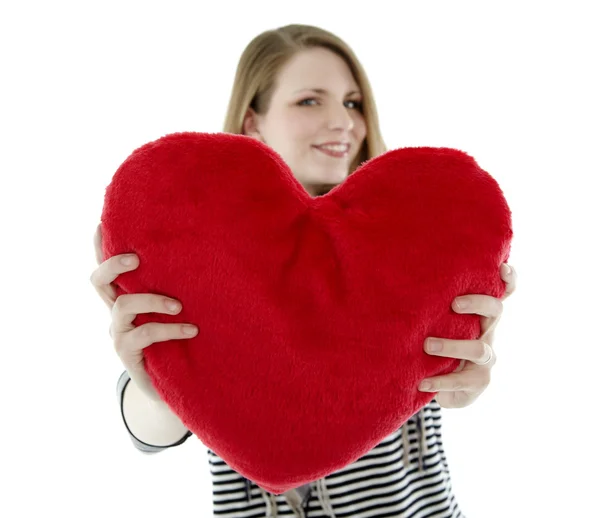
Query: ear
{"x":250,"y":125}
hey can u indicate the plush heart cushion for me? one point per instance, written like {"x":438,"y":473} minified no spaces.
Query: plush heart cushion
{"x":312,"y":311}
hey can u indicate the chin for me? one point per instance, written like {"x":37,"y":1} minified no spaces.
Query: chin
{"x":323,"y":187}
{"x":329,"y":178}
{"x":324,"y":182}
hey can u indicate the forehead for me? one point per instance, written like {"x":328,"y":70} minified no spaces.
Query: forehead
{"x":317,"y":69}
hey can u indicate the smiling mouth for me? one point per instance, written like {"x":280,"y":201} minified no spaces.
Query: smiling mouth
{"x":332,"y":153}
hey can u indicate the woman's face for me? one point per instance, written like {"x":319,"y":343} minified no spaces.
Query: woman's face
{"x":299,"y":119}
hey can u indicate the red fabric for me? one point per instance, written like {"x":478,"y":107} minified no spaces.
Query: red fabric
{"x":312,"y":312}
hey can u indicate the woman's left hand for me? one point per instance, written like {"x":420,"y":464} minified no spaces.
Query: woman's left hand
{"x":463,"y":386}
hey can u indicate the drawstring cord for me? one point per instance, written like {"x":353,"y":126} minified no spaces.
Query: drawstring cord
{"x":323,"y":496}
{"x":405,"y":445}
{"x":423,"y":438}
{"x":422,"y":429}
{"x":294,"y":500}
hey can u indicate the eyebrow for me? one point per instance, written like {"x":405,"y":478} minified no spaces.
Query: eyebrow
{"x":322,"y":91}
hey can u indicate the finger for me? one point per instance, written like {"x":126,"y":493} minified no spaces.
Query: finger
{"x":488,"y":328}
{"x":110,"y":269}
{"x":128,"y":306}
{"x":510,"y":278}
{"x":461,"y":366}
{"x":107,"y":272}
{"x":98,"y":244}
{"x":132,"y":342}
{"x":467,"y":381}
{"x":476,"y":351}
{"x":484,"y":305}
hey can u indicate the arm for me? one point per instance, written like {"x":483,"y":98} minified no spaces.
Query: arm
{"x":152,"y":426}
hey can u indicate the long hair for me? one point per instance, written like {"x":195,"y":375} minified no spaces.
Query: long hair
{"x":263,"y":58}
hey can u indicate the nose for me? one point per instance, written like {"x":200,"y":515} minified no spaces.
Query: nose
{"x":339,"y":118}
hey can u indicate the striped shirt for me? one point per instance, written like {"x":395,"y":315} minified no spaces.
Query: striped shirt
{"x":404,"y":476}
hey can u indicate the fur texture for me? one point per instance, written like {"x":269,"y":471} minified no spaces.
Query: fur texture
{"x":312,"y":312}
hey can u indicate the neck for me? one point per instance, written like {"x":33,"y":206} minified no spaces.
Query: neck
{"x":318,"y":189}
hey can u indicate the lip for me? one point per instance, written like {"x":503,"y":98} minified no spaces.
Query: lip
{"x":334,"y":143}
{"x":335,"y":154}
{"x":338,"y":143}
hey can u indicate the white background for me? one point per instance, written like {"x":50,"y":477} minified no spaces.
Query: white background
{"x":83,"y":84}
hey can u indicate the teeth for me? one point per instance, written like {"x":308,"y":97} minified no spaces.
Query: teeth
{"x":339,"y":148}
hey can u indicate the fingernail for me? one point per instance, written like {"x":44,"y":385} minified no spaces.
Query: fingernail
{"x":425,"y":385}
{"x":434,"y":345}
{"x":190,"y":330}
{"x":507,"y":269}
{"x":172,"y":305}
{"x":127,"y":260}
{"x":461,"y":304}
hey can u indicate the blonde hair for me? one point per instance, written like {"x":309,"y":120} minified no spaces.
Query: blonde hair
{"x":262,"y":59}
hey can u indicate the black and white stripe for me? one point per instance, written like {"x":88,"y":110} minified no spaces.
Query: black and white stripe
{"x":378,"y":485}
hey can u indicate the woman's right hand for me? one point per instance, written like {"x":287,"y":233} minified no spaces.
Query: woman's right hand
{"x":129,"y":340}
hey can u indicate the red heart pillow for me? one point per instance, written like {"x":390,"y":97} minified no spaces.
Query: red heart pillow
{"x":312,"y":312}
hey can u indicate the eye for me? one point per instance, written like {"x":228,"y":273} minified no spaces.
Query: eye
{"x":305,"y":100}
{"x":357,"y":104}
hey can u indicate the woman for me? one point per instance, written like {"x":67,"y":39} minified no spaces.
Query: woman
{"x":302,"y":91}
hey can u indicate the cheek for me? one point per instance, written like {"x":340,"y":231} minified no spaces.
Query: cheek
{"x":360,"y":128}
{"x":304,"y":138}
{"x":308,"y":127}
{"x":298,"y":129}
{"x":307,"y":121}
